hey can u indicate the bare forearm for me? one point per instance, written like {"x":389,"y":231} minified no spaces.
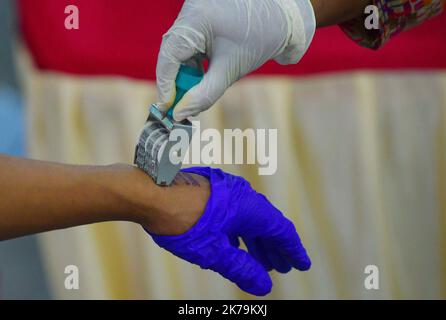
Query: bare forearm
{"x":38,"y":196}
{"x":330,"y":12}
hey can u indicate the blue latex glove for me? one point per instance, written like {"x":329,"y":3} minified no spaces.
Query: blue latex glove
{"x":236,"y":210}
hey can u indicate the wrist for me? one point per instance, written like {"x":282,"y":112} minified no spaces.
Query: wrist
{"x":329,"y":12}
{"x":301,"y":21}
{"x":130,"y":192}
{"x":179,"y":206}
{"x":308,"y":15}
{"x":160,"y":210}
{"x":318,"y":13}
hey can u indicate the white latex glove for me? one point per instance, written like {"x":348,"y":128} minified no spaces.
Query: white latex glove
{"x":237,"y":36}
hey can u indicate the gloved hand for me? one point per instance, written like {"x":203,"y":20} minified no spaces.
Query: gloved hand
{"x":237,"y":36}
{"x":236,"y":210}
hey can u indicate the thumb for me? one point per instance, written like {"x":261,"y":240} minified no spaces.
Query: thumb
{"x":175,"y":49}
{"x":241,"y":268}
{"x":220,"y":76}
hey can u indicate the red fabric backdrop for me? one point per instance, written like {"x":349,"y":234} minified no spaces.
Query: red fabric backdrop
{"x":122,"y":38}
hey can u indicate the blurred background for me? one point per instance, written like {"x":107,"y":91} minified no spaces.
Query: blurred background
{"x":21,"y":271}
{"x":362,"y":153}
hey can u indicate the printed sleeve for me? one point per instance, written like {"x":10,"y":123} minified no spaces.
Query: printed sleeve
{"x":395,"y":16}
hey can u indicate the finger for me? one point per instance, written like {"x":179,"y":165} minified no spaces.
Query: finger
{"x":286,"y":240}
{"x":217,"y":79}
{"x":275,"y":229}
{"x":276,"y":259}
{"x":255,"y":248}
{"x":241,"y":268}
{"x":175,"y":49}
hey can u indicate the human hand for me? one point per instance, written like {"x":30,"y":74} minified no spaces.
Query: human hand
{"x":238,"y":36}
{"x":164,"y":211}
{"x":236,"y":210}
{"x":37,"y":196}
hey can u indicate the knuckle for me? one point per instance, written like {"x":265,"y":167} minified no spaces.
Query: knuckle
{"x":175,"y":46}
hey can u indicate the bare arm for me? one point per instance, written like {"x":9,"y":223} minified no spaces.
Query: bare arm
{"x":39,"y":196}
{"x":330,"y":12}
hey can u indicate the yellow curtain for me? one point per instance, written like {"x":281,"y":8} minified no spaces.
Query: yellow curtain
{"x":361,"y":172}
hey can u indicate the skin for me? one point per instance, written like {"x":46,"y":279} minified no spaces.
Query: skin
{"x":38,"y":196}
{"x":330,"y":12}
